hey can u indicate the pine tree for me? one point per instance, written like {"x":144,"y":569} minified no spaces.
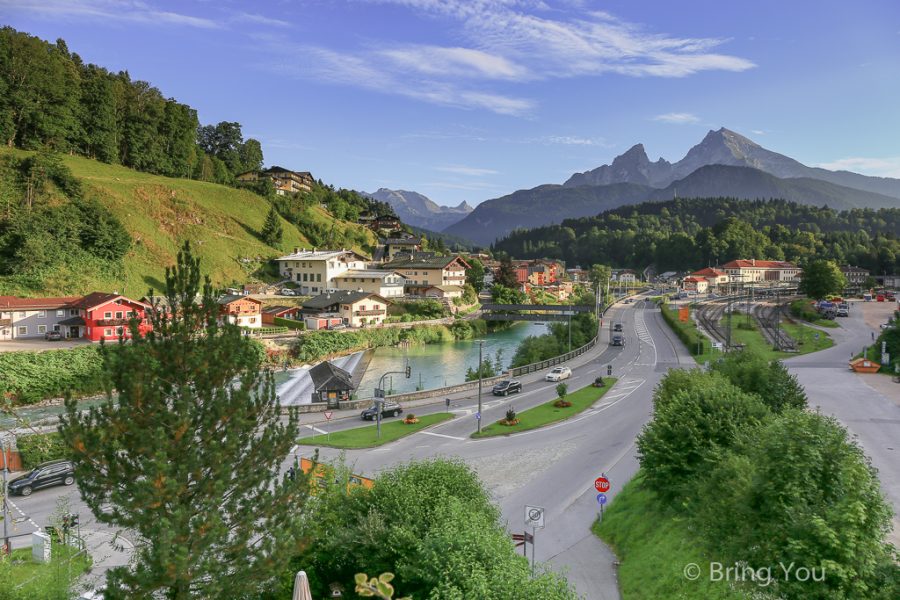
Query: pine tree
{"x":272,"y":231}
{"x":186,"y":455}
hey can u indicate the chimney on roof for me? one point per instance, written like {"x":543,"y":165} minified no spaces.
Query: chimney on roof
{"x":314,"y":250}
{"x":296,"y":250}
{"x":753,"y":261}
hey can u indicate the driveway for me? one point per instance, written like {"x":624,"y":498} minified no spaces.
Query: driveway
{"x":39,"y":345}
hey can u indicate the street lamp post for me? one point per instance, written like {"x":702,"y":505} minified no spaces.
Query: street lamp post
{"x":480,"y":358}
{"x":379,"y":396}
{"x":5,"y":452}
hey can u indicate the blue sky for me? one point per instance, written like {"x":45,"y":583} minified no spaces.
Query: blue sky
{"x":473,"y":99}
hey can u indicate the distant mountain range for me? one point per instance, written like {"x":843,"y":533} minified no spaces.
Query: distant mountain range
{"x":416,"y":209}
{"x":724,"y":163}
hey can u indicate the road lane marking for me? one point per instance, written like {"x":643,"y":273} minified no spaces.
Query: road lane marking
{"x":316,"y":429}
{"x":443,"y":435}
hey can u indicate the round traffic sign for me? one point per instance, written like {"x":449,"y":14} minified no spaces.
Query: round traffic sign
{"x":601,"y":499}
{"x":602,"y":484}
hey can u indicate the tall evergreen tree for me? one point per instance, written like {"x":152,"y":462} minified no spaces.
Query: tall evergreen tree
{"x":506,"y":275}
{"x":186,"y":455}
{"x":272,"y":232}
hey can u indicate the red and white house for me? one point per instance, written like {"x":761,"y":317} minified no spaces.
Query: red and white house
{"x":103,"y":316}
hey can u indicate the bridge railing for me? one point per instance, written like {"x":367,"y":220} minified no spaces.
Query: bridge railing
{"x":550,"y":362}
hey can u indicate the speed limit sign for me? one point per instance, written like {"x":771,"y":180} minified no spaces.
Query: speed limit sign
{"x":534,"y":517}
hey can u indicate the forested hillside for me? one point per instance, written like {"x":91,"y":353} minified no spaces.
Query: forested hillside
{"x":72,"y":225}
{"x":692,"y":233}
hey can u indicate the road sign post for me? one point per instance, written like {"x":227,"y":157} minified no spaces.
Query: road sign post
{"x":601,"y":484}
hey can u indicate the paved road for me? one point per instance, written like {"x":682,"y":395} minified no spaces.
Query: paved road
{"x":871,"y":416}
{"x":555,"y":467}
{"x":552,"y":467}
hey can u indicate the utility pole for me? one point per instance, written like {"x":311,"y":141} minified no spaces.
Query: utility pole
{"x":728,"y":327}
{"x":570,"y":332}
{"x":480,"y":357}
{"x":379,"y":395}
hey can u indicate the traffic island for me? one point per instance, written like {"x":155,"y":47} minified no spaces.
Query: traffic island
{"x":548,"y":413}
{"x":366,"y":437}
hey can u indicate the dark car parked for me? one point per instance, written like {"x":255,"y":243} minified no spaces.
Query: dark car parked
{"x":388,"y":409}
{"x":506,"y":387}
{"x":618,"y":340}
{"x":58,"y":472}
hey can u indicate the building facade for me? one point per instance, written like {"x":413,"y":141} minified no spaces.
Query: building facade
{"x":314,"y":270}
{"x":242,"y":311}
{"x":423,"y":273}
{"x":355,"y":309}
{"x":24,"y":318}
{"x":106,"y":317}
{"x":752,"y":270}
{"x":389,"y":284}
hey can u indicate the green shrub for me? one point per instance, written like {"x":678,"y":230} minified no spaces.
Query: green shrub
{"x":695,"y":341}
{"x":39,"y":448}
{"x":289,"y":323}
{"x":33,"y":376}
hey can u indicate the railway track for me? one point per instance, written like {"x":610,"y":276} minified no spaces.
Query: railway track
{"x":768,"y":317}
{"x":708,"y":316}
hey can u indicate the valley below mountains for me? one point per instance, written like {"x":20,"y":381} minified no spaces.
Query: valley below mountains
{"x":723,"y":164}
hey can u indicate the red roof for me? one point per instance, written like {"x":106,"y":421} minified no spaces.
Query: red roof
{"x":693,"y":279}
{"x":14,"y":302}
{"x":759,"y":264}
{"x":709,"y":272}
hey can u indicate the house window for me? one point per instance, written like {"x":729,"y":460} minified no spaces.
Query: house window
{"x":60,"y":313}
{"x":118,"y":314}
{"x":22,"y":313}
{"x":107,"y":332}
{"x":73,"y":312}
{"x":107,"y":315}
{"x":305,"y":277}
{"x":23,"y":330}
{"x":56,"y":328}
{"x":42,"y":329}
{"x":42,"y":314}
{"x":318,"y":278}
{"x":119,"y":331}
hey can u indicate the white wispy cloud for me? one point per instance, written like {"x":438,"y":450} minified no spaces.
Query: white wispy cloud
{"x":573,"y":140}
{"x":879,"y":167}
{"x":260,"y":19}
{"x":504,"y":42}
{"x":465,"y":170}
{"x":112,"y":10}
{"x":677,"y":118}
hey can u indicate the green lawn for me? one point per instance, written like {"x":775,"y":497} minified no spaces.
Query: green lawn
{"x":52,"y":580}
{"x":546,"y":413}
{"x":803,"y":335}
{"x":654,"y":545}
{"x":365,"y":437}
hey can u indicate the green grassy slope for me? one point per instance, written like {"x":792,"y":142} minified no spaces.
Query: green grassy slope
{"x":222,"y":224}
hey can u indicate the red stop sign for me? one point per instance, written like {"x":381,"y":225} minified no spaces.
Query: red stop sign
{"x":602,"y":484}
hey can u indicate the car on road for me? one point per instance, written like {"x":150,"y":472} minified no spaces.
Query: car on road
{"x":629,"y":300}
{"x":389,"y":408}
{"x":507,"y":387}
{"x":558,"y":374}
{"x":53,"y":336}
{"x":288,"y":292}
{"x":618,"y":340}
{"x":617,"y":327}
{"x":57,"y":472}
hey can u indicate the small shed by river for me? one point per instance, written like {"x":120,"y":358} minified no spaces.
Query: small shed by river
{"x":331,"y":384}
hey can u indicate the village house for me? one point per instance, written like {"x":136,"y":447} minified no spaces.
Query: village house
{"x":400,"y":245}
{"x":388,"y":284}
{"x":270,"y":313}
{"x":716,"y":279}
{"x":355,"y":309}
{"x":102,"y":316}
{"x":242,"y":311}
{"x":284,"y":180}
{"x":314,"y":270}
{"x":578,"y":274}
{"x":699,"y":285}
{"x":855,"y":276}
{"x":423,"y":273}
{"x":624,"y":276}
{"x":23,"y":318}
{"x":443,"y":292}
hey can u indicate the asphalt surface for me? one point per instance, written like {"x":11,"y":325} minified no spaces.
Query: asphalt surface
{"x":553,"y":467}
{"x":872,"y":417}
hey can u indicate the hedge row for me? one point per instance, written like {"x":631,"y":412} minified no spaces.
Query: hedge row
{"x":33,"y":376}
{"x":39,"y":448}
{"x":687,"y":332}
{"x":289,"y":323}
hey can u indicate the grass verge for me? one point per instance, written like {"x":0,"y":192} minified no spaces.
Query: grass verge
{"x":546,"y":413}
{"x":808,"y":340}
{"x":365,"y":437}
{"x":654,"y":546}
{"x":39,"y":580}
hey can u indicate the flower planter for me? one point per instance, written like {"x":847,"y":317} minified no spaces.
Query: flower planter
{"x":562,"y":404}
{"x":411,"y":421}
{"x":508,"y":423}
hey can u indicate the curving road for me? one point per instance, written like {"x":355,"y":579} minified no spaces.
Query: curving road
{"x":553,"y":467}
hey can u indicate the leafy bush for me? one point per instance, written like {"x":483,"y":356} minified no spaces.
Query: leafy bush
{"x":686,"y":332}
{"x":39,"y":448}
{"x":771,"y":381}
{"x":537,"y":348}
{"x":289,"y":323}
{"x":803,"y":309}
{"x":33,"y":376}
{"x":689,"y":428}
{"x":431,"y":523}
